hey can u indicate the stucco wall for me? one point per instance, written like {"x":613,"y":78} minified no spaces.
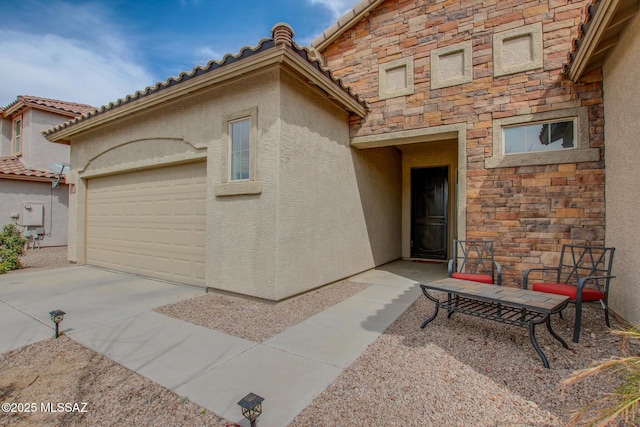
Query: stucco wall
{"x":338,"y":209}
{"x":622,"y":156}
{"x":241,"y":240}
{"x":37,"y":152}
{"x":73,"y":223}
{"x":55,"y":201}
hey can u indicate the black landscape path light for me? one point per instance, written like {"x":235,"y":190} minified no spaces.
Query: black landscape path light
{"x":56,"y":317}
{"x":251,"y":406}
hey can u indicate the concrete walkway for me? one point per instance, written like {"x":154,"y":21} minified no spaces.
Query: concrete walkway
{"x":111,"y":314}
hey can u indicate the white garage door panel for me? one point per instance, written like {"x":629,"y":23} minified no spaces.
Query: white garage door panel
{"x":149,"y":222}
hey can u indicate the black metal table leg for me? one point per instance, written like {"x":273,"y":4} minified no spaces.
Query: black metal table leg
{"x":450,"y":311}
{"x":556,"y":336}
{"x":532,"y":335}
{"x":435,"y":313}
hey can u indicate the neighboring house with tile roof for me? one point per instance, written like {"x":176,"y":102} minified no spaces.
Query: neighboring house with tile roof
{"x":28,"y":197}
{"x":405,"y":125}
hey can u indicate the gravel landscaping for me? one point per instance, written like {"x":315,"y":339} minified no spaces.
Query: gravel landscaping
{"x":459,"y":371}
{"x":239,"y":317}
{"x":63,"y":371}
{"x":43,"y":258}
{"x":465,"y":371}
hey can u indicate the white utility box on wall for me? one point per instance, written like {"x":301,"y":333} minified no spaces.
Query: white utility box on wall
{"x":32,"y":215}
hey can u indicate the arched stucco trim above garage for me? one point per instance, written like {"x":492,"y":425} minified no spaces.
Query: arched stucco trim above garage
{"x":420,"y":139}
{"x":140,"y":154}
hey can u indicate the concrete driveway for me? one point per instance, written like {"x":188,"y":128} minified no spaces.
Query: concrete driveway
{"x":91,"y":297}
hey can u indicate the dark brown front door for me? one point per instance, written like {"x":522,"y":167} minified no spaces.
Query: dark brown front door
{"x":429,"y":197}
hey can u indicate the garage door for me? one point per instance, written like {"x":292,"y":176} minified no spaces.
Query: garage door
{"x":149,"y":222}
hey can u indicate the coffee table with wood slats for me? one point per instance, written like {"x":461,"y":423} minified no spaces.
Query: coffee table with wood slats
{"x":513,"y":306}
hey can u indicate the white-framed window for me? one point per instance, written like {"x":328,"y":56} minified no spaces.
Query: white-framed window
{"x":544,"y":136}
{"x":240,"y":149}
{"x":551,"y":137}
{"x":17,"y":136}
{"x":239,"y":154}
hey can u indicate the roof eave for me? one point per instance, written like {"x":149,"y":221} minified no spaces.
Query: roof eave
{"x":15,"y":177}
{"x":588,"y":45}
{"x":316,"y":78}
{"x":14,"y":108}
{"x":24,"y":105}
{"x":58,"y":141}
{"x":231,"y":71}
{"x":348,"y":20}
{"x":604,"y":17}
{"x":222,"y":74}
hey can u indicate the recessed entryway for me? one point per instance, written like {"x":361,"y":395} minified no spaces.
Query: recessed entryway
{"x":429,"y":212}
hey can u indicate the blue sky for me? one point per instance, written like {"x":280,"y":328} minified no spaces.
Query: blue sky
{"x":97,"y":51}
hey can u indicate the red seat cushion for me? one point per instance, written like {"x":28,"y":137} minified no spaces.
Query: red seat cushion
{"x":482,"y":278}
{"x":588,"y":294}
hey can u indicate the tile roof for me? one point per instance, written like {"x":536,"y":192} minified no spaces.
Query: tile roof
{"x":213,"y":65}
{"x":603,"y":21}
{"x":589,"y":12}
{"x":68,"y":108}
{"x":13,"y":168}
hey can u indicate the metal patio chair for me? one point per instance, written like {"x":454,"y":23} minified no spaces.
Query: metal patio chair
{"x":474,"y":260}
{"x":583,"y":274}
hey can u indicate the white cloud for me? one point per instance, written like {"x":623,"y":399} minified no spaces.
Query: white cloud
{"x":55,"y":67}
{"x":73,"y":52}
{"x":337,"y":7}
{"x":91,"y":52}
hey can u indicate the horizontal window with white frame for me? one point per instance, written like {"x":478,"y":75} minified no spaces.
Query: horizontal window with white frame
{"x":543,"y":138}
{"x":547,"y":136}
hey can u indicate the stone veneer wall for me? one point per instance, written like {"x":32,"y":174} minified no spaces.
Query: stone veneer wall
{"x":530,"y":211}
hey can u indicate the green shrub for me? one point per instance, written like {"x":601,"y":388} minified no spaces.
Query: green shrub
{"x":11,"y":247}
